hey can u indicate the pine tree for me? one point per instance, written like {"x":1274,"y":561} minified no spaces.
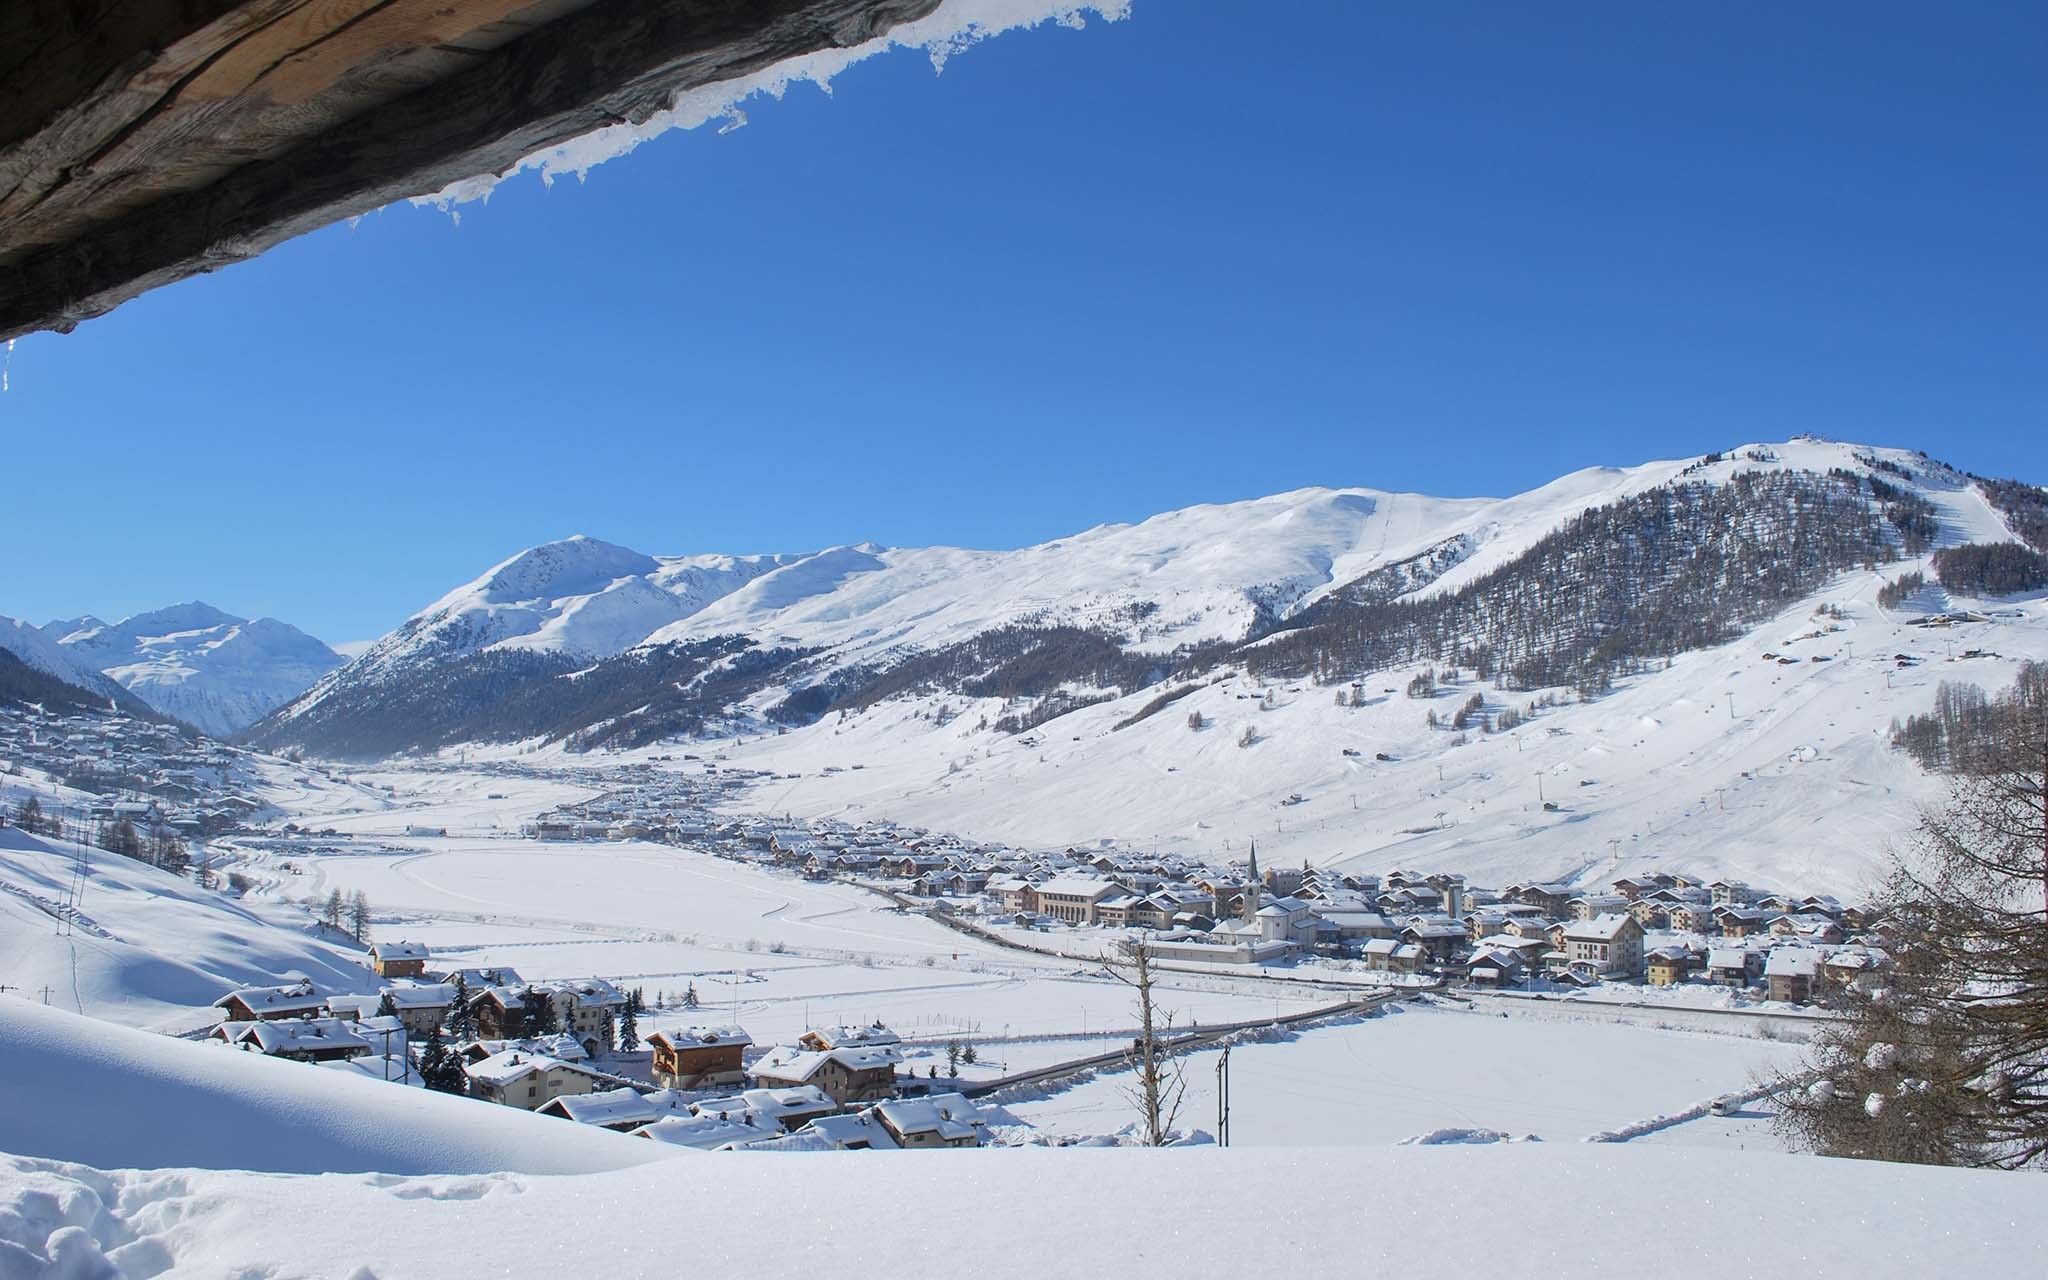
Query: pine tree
{"x":359,"y":917}
{"x":331,"y":912}
{"x":967,"y":1054}
{"x":690,"y":997}
{"x":538,"y":1012}
{"x":629,"y":1024}
{"x":1946,"y":1062}
{"x":28,"y":815}
{"x":386,"y":1006}
{"x":461,"y":1018}
{"x":953,"y":1058}
{"x":440,"y":1068}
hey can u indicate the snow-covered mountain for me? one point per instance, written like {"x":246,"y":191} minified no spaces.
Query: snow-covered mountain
{"x":1574,"y":584}
{"x":53,"y":671}
{"x":210,"y":669}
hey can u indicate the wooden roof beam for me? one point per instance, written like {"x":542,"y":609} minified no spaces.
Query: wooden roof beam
{"x":610,"y":61}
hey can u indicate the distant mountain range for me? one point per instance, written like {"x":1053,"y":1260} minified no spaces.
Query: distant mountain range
{"x":1600,"y":572}
{"x":191,"y":662}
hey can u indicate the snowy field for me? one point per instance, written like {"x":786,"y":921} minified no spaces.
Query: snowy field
{"x":1411,"y":1072}
{"x":773,"y":952}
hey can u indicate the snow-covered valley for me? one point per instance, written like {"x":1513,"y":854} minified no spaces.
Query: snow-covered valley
{"x":693,"y":870}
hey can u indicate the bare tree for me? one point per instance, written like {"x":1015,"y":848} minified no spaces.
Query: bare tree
{"x":1160,"y":1086}
{"x":1945,"y":1061}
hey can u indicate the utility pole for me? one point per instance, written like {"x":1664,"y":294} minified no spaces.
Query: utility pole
{"x":1731,"y":704}
{"x":1223,"y":1098}
{"x":1539,"y":786}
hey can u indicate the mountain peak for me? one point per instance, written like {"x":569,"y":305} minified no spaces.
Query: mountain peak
{"x":573,"y":566}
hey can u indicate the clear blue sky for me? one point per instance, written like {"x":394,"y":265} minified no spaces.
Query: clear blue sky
{"x":1082,"y":277}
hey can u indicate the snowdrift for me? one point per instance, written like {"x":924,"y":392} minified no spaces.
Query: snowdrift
{"x":1424,"y":1212}
{"x":87,"y":1091}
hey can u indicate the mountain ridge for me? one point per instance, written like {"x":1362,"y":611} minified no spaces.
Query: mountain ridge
{"x":832,"y":629}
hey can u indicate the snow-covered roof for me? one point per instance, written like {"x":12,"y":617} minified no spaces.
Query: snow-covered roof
{"x":399,"y":950}
{"x":512,"y":1066}
{"x":700,"y":1037}
{"x":1601,"y":928}
{"x":801,"y":1064}
{"x":1791,"y":962}
{"x":861,"y":1130}
{"x":294,"y":997}
{"x":949,"y":1115}
{"x":772,"y":1104}
{"x":701,"y":1132}
{"x":1077,"y":887}
{"x":610,"y":1108}
{"x":844,"y":1037}
{"x":302,"y":1035}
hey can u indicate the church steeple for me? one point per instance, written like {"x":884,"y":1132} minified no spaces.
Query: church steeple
{"x":1251,"y":891}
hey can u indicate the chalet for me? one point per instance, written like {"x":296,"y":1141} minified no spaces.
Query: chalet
{"x":699,"y":1057}
{"x":1590,"y":906}
{"x":1550,"y":899}
{"x":1740,"y":922}
{"x":501,"y":1011}
{"x":860,"y":1132}
{"x":1789,"y":973}
{"x":1859,"y":967}
{"x":1735,"y":967}
{"x":865,"y":1074}
{"x":1074,"y":899}
{"x":1607,"y":946}
{"x":1668,"y":966}
{"x":1691,"y":917}
{"x":1016,"y":895}
{"x":770,"y":1110}
{"x":477,"y":979}
{"x":873,"y":1035}
{"x":588,"y":1008}
{"x":420,"y":1006}
{"x":1386,"y":955}
{"x":701,"y":1133}
{"x":1438,"y":939}
{"x":262,"y":1004}
{"x":518,"y":1078}
{"x":1812,"y":927}
{"x":1493,"y":966}
{"x":297,"y":1039}
{"x":1114,"y":912}
{"x":1730,"y":893}
{"x":620,"y":1110}
{"x":1651,"y":913}
{"x":940,"y":1120}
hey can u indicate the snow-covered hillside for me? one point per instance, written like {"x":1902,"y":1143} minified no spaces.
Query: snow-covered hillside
{"x":1018,"y":694}
{"x":115,"y":938}
{"x":210,"y":669}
